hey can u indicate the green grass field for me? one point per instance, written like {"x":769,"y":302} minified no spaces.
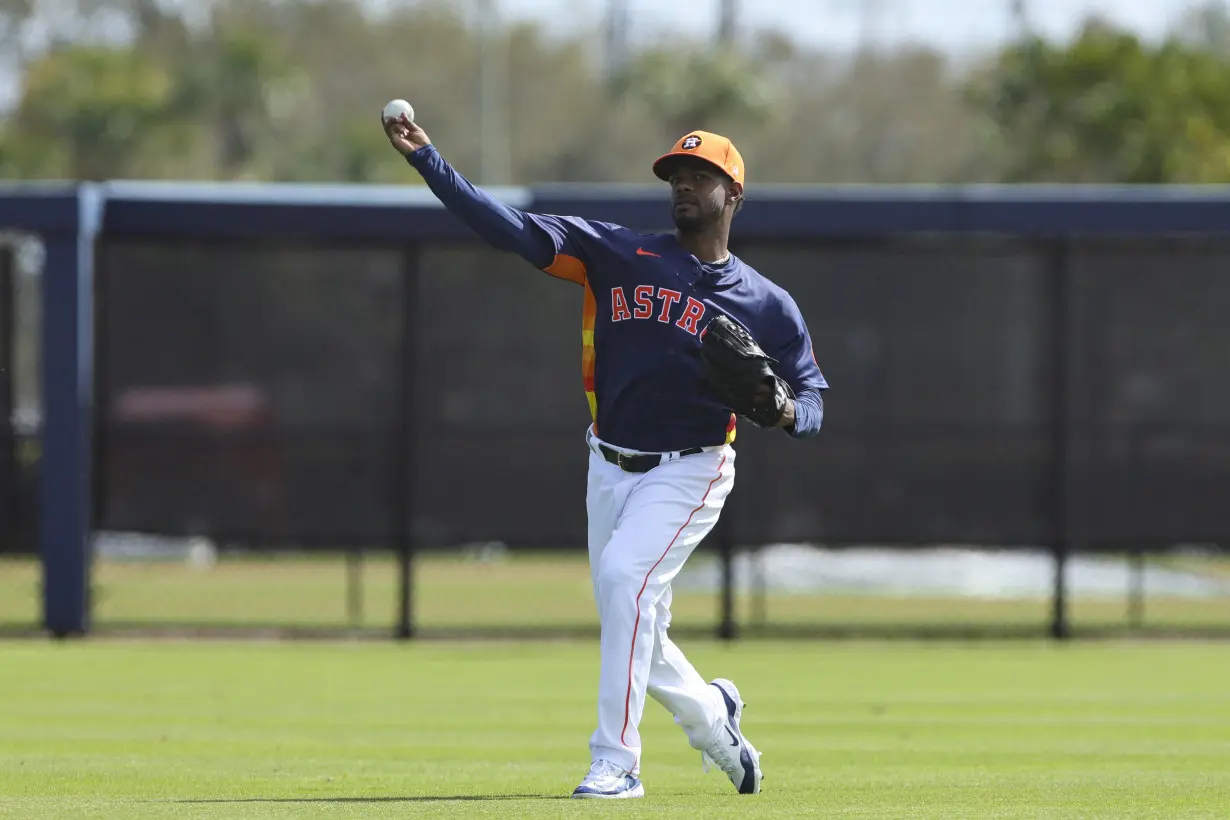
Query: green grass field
{"x":212,"y":730}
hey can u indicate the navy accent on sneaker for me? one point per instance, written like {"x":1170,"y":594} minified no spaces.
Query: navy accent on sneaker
{"x":606,"y":780}
{"x":748,"y":786}
{"x":628,"y":785}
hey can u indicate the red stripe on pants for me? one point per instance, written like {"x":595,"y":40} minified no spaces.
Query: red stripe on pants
{"x":637,"y":623}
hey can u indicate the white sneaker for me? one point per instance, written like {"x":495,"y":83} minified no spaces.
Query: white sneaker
{"x":731,"y":752}
{"x":609,"y":781}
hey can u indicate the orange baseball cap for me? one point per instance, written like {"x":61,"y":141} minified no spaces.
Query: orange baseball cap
{"x":713,"y":148}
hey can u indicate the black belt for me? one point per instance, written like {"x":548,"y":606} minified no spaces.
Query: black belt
{"x":640,"y":462}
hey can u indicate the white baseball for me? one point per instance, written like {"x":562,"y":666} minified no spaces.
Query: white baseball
{"x":395,"y":108}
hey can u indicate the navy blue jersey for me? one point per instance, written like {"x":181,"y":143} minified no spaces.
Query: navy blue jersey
{"x":647,"y":300}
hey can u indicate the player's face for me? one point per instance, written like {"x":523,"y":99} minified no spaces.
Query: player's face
{"x":698,"y":195}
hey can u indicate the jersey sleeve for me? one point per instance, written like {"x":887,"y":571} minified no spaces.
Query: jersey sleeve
{"x":796,"y":363}
{"x":575,"y":244}
{"x":792,"y":348}
{"x":557,"y":245}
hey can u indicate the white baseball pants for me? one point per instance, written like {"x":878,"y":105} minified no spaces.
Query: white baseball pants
{"x":642,"y":528}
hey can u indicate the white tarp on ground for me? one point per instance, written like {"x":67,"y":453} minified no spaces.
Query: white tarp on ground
{"x":803,"y":569}
{"x":790,"y":568}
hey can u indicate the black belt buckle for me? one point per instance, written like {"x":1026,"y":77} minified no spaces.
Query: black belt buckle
{"x":636,"y":463}
{"x":640,"y":463}
{"x":630,"y":462}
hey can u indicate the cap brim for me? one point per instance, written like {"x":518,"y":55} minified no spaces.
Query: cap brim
{"x":666,"y":160}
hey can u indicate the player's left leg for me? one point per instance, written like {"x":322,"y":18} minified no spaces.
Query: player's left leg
{"x":675,"y":683}
{"x":709,"y":713}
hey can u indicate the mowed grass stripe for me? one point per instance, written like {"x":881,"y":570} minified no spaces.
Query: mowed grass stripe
{"x":263,"y":730}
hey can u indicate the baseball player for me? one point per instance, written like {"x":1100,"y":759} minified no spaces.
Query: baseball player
{"x":674,"y":331}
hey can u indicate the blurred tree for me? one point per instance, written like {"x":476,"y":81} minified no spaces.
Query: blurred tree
{"x":346,"y":64}
{"x":264,"y":89}
{"x":894,"y":117}
{"x":566,"y":124}
{"x":240,"y":88}
{"x":13,"y":15}
{"x":1109,"y":108}
{"x":691,"y":89}
{"x":91,"y":112}
{"x":1206,"y":26}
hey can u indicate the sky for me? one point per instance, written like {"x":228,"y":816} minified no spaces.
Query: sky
{"x":955,"y":25}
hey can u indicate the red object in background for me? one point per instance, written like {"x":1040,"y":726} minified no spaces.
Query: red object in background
{"x":208,"y":452}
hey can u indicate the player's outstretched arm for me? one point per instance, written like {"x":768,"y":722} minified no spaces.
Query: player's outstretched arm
{"x":501,"y":226}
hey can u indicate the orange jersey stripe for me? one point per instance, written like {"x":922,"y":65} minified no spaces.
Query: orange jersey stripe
{"x":587,"y":368}
{"x":569,"y":268}
{"x":589,"y":314}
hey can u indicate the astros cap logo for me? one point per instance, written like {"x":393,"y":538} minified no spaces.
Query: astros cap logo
{"x":712,"y":148}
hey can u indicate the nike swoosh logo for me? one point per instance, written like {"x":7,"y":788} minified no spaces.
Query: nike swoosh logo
{"x":734,"y":741}
{"x":643,"y":252}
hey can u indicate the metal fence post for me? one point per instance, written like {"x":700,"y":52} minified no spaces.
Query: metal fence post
{"x":727,"y":628}
{"x":406,"y":446}
{"x":66,"y":513}
{"x":1060,"y":411}
{"x":1136,"y":589}
{"x":9,"y":482}
{"x":354,"y":587}
{"x":724,"y":534}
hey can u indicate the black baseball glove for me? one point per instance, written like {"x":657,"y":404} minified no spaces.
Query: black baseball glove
{"x":740,"y":373}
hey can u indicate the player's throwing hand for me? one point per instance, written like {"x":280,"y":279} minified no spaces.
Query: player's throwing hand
{"x":404,"y":135}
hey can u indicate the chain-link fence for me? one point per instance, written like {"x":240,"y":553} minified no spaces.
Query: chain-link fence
{"x":290,"y":418}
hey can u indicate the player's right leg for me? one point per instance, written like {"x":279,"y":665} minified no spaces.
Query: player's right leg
{"x":606,"y":494}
